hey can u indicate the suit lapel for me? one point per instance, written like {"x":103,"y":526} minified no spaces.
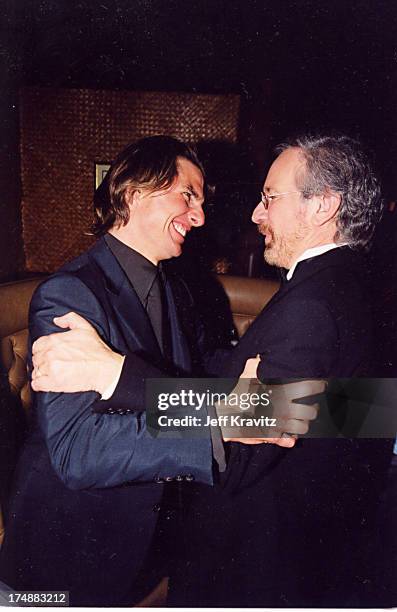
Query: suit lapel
{"x":128,"y":310}
{"x":135,"y":321}
{"x":180,"y":349}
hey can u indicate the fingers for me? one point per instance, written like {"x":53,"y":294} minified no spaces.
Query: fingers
{"x":43,"y":371}
{"x":294,"y":426}
{"x":284,"y":442}
{"x":41,"y":344}
{"x":47,"y":383}
{"x":297,"y":421}
{"x":36,"y":373}
{"x":248,"y":441}
{"x":303,"y":389}
{"x":75,"y":337}
{"x":37,"y":360}
{"x":251,"y":367}
{"x":45,"y":343}
{"x":295,"y":418}
{"x":72,"y":320}
{"x":40,"y":383}
{"x":293,"y":412}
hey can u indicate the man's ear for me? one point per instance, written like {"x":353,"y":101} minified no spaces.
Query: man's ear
{"x":132,"y":197}
{"x":327,"y":207}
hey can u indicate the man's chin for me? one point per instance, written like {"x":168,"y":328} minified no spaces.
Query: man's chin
{"x":177,"y":250}
{"x":170,"y":254}
{"x":271,"y":257}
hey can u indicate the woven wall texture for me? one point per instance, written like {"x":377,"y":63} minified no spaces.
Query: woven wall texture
{"x":65,"y":132}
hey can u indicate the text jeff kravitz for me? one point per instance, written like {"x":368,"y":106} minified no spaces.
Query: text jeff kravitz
{"x":225,"y":420}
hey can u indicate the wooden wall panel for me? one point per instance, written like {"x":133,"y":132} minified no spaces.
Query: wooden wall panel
{"x":64,"y":132}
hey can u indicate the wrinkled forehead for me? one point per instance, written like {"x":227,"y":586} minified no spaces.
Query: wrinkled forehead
{"x":286,"y":170}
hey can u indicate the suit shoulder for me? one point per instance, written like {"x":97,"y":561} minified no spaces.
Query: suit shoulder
{"x":77,"y":277}
{"x":330,"y":282}
{"x":62,"y":293}
{"x":69,"y":277}
{"x":73,"y":288}
{"x":59,"y":282}
{"x":75,"y":264}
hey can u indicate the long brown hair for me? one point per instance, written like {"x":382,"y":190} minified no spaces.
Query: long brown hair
{"x":150,"y":163}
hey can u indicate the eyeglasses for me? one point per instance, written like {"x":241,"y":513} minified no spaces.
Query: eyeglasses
{"x":266,"y":198}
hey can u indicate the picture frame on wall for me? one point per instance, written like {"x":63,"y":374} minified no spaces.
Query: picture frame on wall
{"x":101,"y":170}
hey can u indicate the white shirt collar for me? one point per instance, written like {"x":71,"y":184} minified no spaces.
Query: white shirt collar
{"x":313,"y":252}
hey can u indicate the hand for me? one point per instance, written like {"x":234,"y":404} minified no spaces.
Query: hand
{"x":291,"y":417}
{"x":250,"y":368}
{"x":76,"y":360}
{"x":284,"y":441}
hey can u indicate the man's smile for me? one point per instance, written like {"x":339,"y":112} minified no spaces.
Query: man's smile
{"x":266,"y":232}
{"x":179,"y":228}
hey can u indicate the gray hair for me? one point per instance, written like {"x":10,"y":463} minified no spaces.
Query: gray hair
{"x":338,"y":164}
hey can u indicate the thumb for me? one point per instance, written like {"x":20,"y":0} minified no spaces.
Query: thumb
{"x":250,"y":368}
{"x":288,"y":442}
{"x":72,"y":320}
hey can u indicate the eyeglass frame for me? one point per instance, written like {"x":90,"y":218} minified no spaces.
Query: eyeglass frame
{"x":266,"y":198}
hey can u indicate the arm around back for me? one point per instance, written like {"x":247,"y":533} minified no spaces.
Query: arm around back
{"x":88,"y":449}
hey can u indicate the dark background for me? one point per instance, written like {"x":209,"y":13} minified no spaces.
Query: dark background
{"x":312,"y":64}
{"x":298,"y":65}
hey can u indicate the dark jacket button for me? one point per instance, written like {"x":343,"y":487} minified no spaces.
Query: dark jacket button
{"x":158,"y":480}
{"x":189,"y":477}
{"x":168,"y":479}
{"x":156,"y":508}
{"x":179,"y":478}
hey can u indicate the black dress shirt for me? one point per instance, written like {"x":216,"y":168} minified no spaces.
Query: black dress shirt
{"x":146,"y":280}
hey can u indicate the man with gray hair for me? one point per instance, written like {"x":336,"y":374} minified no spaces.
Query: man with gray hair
{"x":297,"y":530}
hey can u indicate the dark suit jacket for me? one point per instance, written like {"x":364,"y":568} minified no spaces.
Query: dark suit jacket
{"x":88,"y":485}
{"x":293,"y":527}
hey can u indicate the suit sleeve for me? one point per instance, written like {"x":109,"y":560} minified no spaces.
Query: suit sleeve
{"x":302,"y":341}
{"x":103,"y":450}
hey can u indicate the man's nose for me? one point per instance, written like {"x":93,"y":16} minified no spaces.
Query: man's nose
{"x":196,"y":217}
{"x":259,"y":215}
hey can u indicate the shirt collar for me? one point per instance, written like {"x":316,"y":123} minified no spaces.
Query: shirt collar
{"x":313,"y":252}
{"x":139,"y":270}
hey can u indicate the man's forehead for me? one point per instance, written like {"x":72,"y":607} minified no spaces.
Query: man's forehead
{"x":188,"y":169}
{"x":285,"y":168}
{"x":190,"y":176}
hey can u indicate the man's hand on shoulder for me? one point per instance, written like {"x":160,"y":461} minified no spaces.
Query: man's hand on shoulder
{"x":75,"y":360}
